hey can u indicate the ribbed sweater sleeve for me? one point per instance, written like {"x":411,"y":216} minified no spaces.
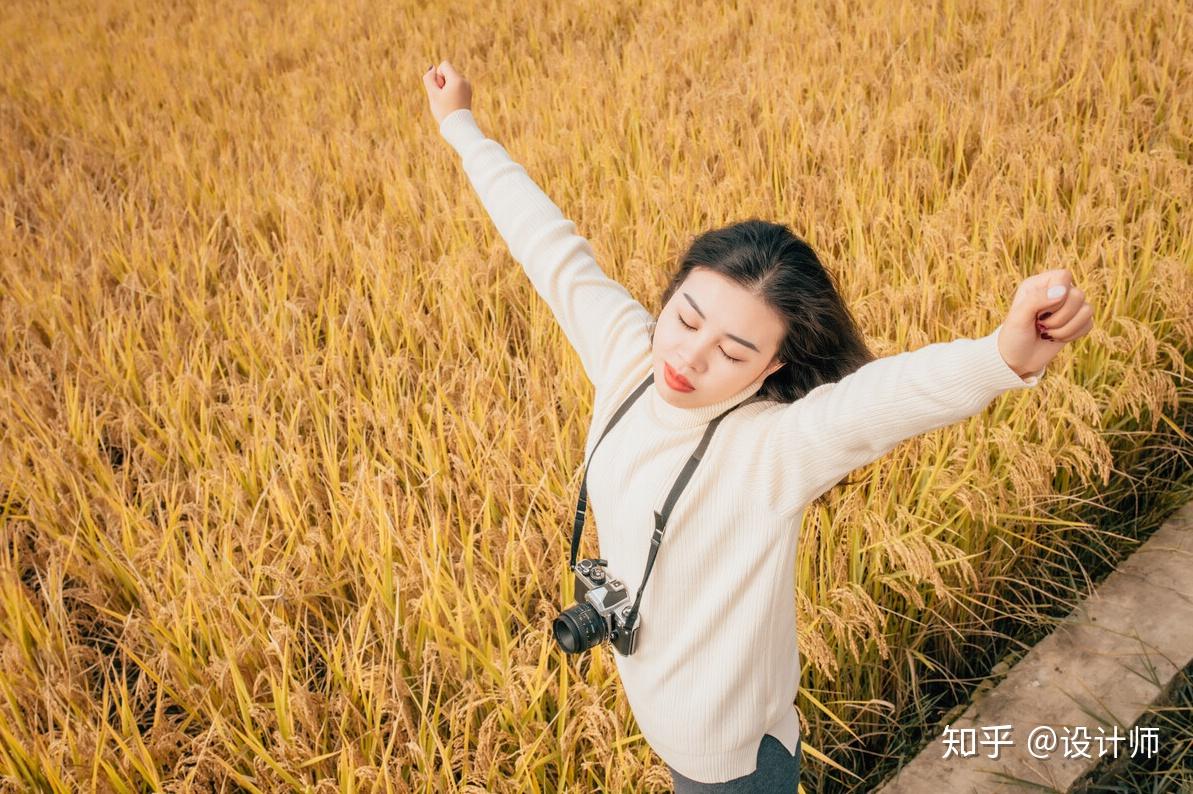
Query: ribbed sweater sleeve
{"x":840,"y":426}
{"x":597,"y":314}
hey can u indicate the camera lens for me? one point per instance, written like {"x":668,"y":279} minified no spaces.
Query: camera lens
{"x":579,"y":628}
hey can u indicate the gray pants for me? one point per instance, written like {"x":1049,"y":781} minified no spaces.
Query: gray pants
{"x":777,"y":773}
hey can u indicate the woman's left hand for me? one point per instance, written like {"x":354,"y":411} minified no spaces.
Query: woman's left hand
{"x":1039,"y":325}
{"x":447,"y":90}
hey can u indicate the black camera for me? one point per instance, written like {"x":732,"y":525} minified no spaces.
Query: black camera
{"x":601,"y":612}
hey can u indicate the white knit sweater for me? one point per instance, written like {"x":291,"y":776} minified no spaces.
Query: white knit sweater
{"x":716,"y":665}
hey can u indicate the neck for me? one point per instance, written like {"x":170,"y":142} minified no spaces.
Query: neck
{"x":677,"y":418}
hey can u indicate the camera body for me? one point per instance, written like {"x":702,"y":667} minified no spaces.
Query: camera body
{"x":601,"y":611}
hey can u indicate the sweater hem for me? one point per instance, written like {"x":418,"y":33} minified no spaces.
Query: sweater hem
{"x":724,"y":766}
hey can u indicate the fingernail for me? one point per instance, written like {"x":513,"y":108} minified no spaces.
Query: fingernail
{"x":1045,"y":315}
{"x":1046,"y":335}
{"x":1056,"y":290}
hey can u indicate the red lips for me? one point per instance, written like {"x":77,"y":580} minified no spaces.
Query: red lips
{"x":675,"y":380}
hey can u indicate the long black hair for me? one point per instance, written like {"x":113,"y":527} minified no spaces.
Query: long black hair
{"x":823,"y":343}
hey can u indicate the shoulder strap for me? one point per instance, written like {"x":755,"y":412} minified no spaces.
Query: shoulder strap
{"x":660,"y":518}
{"x":582,"y":503}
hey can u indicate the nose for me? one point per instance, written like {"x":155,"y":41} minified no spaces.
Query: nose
{"x":690,"y":359}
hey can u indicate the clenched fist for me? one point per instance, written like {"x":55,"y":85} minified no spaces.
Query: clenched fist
{"x":447,"y":90}
{"x":1046,"y":313}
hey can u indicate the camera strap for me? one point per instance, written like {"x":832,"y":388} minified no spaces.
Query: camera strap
{"x":660,"y":519}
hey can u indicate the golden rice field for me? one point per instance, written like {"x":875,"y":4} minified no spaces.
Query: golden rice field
{"x":289,"y":446}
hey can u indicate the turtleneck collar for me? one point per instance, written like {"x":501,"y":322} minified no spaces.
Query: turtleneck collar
{"x":676,"y":418}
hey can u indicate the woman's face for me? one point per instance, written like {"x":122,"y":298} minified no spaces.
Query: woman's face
{"x":727,"y":322}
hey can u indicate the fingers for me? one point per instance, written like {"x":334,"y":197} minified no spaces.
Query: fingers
{"x":1047,"y":278}
{"x":1045,"y":292}
{"x":1060,"y":275}
{"x":442,"y":73}
{"x":434,"y":78}
{"x":1078,"y":326}
{"x":446,"y":73}
{"x":1058,"y":316}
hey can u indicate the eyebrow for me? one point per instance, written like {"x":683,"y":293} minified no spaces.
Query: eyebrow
{"x":737,"y":339}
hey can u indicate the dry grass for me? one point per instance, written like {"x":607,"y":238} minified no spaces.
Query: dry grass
{"x":288,"y":445}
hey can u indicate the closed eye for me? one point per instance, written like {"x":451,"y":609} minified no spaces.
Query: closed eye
{"x":692,"y":328}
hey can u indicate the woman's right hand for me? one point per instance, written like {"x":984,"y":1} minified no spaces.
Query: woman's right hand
{"x":447,"y":90}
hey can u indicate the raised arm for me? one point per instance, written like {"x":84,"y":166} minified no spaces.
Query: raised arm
{"x":840,"y":426}
{"x":598,"y":316}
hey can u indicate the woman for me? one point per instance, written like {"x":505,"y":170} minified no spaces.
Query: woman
{"x":713,"y":678}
